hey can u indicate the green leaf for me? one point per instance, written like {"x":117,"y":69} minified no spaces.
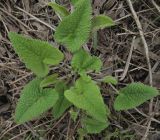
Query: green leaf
{"x":94,"y":126}
{"x":110,"y":80}
{"x":86,"y":95}
{"x":82,"y":61}
{"x":60,"y":10}
{"x":74,"y":2}
{"x":101,"y":22}
{"x":74,"y":114}
{"x":85,"y":77}
{"x":51,"y":79}
{"x":62,"y":104}
{"x":74,"y":30}
{"x":34,"y":101}
{"x":36,"y":54}
{"x":134,"y":95}
{"x":81,"y":133}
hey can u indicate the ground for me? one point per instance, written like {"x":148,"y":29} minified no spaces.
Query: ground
{"x":119,"y":47}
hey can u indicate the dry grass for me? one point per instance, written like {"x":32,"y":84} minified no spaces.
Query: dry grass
{"x":34,"y":18}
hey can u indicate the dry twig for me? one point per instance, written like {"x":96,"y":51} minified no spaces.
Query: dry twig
{"x":128,"y":60}
{"x":142,"y":38}
{"x":148,"y":60}
{"x":37,"y":19}
{"x":155,"y":4}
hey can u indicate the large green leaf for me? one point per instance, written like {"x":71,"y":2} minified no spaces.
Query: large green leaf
{"x":134,"y":95}
{"x":74,"y":30}
{"x":93,"y":126}
{"x":34,"y":101}
{"x":62,"y":11}
{"x":86,"y":95}
{"x":82,"y":61}
{"x":36,"y":54}
{"x":101,"y":21}
{"x":62,"y":103}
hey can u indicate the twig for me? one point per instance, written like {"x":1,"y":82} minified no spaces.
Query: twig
{"x":56,"y":123}
{"x":16,"y":136}
{"x":14,"y":18}
{"x":42,"y":22}
{"x":142,"y":38}
{"x":117,"y":92}
{"x":148,"y":60}
{"x":12,"y":68}
{"x":68,"y":129}
{"x":7,"y":130}
{"x":128,"y":60}
{"x":124,"y":17}
{"x":147,"y":130}
{"x":153,"y":69}
{"x":21,"y":78}
{"x":155,"y":4}
{"x":33,"y":132}
{"x":153,"y":119}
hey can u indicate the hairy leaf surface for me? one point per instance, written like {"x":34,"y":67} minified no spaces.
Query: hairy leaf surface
{"x":134,"y":95}
{"x":93,"y":126}
{"x":101,"y":21}
{"x":62,"y":11}
{"x":110,"y":80}
{"x":62,"y":103}
{"x":74,"y":1}
{"x":34,"y":101}
{"x":82,"y":61}
{"x":36,"y":54}
{"x":51,"y":79}
{"x":86,"y":95}
{"x":74,"y":30}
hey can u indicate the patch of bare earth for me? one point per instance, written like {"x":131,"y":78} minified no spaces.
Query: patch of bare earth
{"x":128,"y":52}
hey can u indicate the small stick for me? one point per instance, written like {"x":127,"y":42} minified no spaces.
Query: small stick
{"x":142,"y":38}
{"x":148,"y":61}
{"x":42,"y":22}
{"x":155,"y":4}
{"x":33,"y":132}
{"x":128,"y":60}
{"x":14,"y":18}
{"x":21,"y":78}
